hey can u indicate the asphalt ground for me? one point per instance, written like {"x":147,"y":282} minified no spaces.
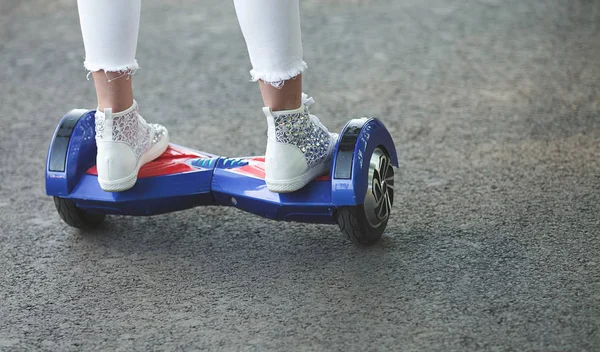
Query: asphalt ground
{"x":494,"y":241}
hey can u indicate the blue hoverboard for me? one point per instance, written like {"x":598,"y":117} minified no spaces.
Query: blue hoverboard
{"x":357,"y":193}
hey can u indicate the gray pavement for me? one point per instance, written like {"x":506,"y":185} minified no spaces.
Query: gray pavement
{"x":494,"y":243}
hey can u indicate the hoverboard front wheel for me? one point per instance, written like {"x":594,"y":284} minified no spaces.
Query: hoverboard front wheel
{"x":364,"y":224}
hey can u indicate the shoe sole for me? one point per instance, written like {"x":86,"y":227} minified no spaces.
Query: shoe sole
{"x":128,"y":182}
{"x":296,"y":183}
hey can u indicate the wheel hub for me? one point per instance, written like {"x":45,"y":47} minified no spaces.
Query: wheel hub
{"x":380,"y":190}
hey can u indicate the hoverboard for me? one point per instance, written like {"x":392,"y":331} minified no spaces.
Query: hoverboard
{"x":357,"y":193}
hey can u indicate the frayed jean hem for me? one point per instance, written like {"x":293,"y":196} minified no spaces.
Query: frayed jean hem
{"x":125,"y":70}
{"x":277,"y":78}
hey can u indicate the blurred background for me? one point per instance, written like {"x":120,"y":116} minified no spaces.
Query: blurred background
{"x":494,"y":242}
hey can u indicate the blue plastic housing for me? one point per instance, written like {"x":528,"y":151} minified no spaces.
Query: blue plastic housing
{"x":370,"y":134}
{"x":215,"y":180}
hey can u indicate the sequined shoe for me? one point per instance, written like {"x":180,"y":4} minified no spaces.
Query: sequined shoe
{"x":299,"y":148}
{"x":125,"y":142}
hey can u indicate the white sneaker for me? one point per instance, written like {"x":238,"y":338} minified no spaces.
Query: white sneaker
{"x":125,"y":142}
{"x":299,"y":148}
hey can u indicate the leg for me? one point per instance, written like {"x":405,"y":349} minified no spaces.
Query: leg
{"x":271,"y":29}
{"x":286,"y":97}
{"x":299,"y":147}
{"x":125,"y":141}
{"x":110,"y":33}
{"x":113,"y":91}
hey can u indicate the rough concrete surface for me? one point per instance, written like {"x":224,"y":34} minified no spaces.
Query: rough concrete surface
{"x":494,"y":244}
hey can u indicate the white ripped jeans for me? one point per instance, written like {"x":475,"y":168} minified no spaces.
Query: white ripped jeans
{"x":271,"y":29}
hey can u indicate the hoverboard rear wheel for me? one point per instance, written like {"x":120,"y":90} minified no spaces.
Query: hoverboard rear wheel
{"x":76,"y":217}
{"x":364,"y":224}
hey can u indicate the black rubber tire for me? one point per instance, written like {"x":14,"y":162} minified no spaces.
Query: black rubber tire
{"x":76,"y":217}
{"x":354,"y":224}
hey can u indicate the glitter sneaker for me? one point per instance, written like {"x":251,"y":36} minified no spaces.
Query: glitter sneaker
{"x":125,"y":142}
{"x":299,"y":148}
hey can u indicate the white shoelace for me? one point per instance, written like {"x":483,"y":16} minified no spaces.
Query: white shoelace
{"x":308,"y":101}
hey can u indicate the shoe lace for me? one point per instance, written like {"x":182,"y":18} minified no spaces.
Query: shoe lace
{"x":308,"y":101}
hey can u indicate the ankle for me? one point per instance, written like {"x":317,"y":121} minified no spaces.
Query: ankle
{"x":284,"y":106}
{"x":113,"y":90}
{"x":287,"y":96}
